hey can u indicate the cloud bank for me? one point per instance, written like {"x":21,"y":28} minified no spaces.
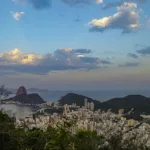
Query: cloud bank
{"x":144,"y":51}
{"x":132,"y":55}
{"x":119,"y":3}
{"x":61,"y":59}
{"x":126,"y":19}
{"x":129,"y":64}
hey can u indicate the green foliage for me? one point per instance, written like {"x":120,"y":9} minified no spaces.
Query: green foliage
{"x":86,"y":140}
{"x":10,"y":137}
{"x":35,"y":139}
{"x":59,"y":138}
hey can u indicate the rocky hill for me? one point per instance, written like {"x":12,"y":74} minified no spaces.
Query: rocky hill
{"x":24,"y":98}
{"x":27,"y":99}
{"x":140,"y":103}
{"x":21,"y":91}
{"x":71,"y":98}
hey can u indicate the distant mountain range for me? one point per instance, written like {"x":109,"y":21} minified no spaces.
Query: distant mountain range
{"x":140,"y":103}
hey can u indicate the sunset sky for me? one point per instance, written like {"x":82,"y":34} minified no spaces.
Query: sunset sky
{"x":75,"y":44}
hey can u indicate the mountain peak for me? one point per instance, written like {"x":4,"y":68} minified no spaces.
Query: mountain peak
{"x":21,"y":91}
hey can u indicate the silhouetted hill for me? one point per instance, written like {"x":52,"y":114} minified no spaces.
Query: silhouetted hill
{"x":71,"y":98}
{"x":140,"y":103}
{"x":27,"y":99}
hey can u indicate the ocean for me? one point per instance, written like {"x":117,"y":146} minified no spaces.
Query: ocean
{"x":102,"y":95}
{"x":56,"y":95}
{"x":97,"y":95}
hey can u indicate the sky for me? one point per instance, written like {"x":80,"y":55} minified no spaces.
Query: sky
{"x":75,"y":44}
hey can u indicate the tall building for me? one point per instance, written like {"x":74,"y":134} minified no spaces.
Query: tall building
{"x":92,"y":106}
{"x":85,"y":103}
{"x":66,"y":108}
{"x":89,"y":105}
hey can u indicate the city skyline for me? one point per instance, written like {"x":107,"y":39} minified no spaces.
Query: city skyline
{"x":75,"y":44}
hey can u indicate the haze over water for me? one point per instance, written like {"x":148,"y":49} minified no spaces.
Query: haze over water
{"x":102,"y":95}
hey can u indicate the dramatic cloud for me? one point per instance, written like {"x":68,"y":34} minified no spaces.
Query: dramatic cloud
{"x":17,"y":15}
{"x":94,"y":60}
{"x":119,"y":3}
{"x":68,"y":51}
{"x":17,"y":57}
{"x":130,"y":64}
{"x":126,"y":19}
{"x":81,"y":51}
{"x":132,"y":55}
{"x":144,"y":51}
{"x":61,"y":59}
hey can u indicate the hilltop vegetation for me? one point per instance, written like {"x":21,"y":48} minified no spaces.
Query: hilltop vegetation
{"x":140,"y":103}
{"x":71,"y":98}
{"x":59,"y":138}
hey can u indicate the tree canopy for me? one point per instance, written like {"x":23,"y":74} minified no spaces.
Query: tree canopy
{"x":59,"y":138}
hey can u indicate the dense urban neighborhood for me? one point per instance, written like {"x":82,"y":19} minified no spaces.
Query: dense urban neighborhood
{"x":125,"y":126}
